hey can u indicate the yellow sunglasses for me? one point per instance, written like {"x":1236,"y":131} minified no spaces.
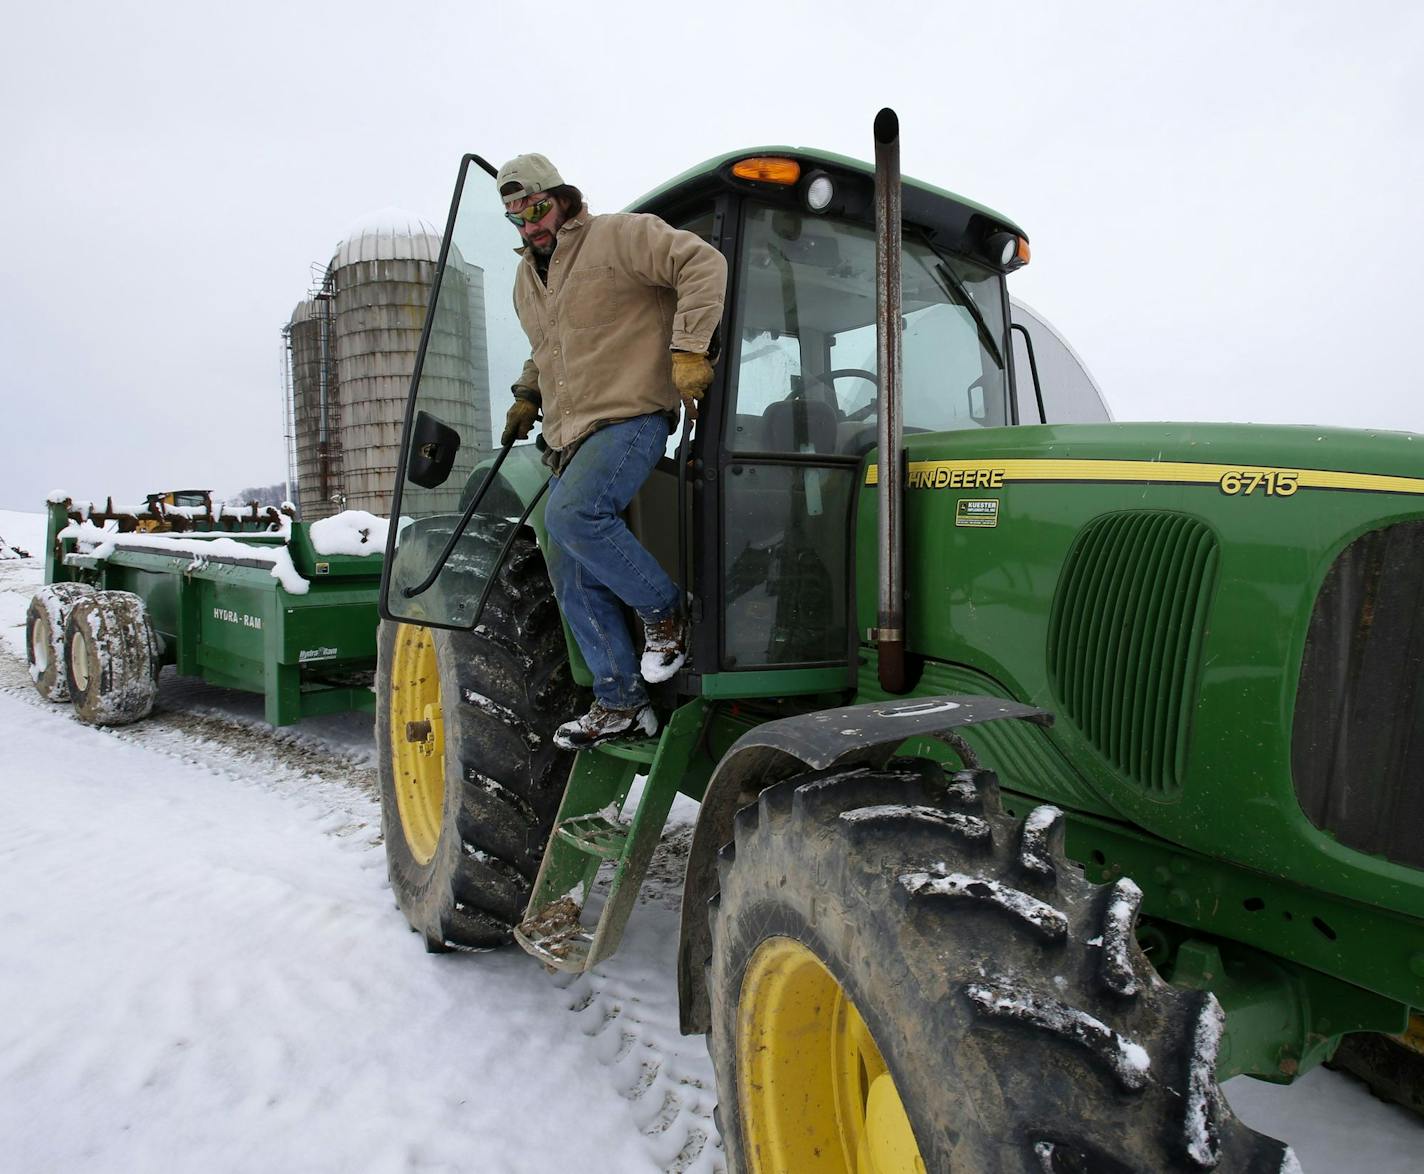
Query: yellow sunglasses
{"x":530,"y":214}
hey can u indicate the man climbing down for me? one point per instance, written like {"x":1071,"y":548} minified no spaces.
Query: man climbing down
{"x":619,"y":310}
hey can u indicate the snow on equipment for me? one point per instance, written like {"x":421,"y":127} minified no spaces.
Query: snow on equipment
{"x":245,"y":598}
{"x":1050,"y":772}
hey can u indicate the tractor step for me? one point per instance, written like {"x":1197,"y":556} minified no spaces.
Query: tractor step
{"x":597,"y":835}
{"x":642,"y":750}
{"x":556,"y":938}
{"x":589,"y":833}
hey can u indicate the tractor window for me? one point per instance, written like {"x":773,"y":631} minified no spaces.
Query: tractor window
{"x":944,"y":381}
{"x":475,"y":349}
{"x":701,"y":223}
{"x":770,"y":367}
{"x":784,"y":594}
{"x":807,"y":372}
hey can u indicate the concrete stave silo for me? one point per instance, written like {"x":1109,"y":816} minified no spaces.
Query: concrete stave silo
{"x":315,"y":407}
{"x":376,"y":290}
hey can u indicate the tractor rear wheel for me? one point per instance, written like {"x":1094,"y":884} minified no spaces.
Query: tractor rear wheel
{"x":904,"y":979}
{"x":470,"y":777}
{"x":111,"y":658}
{"x":44,"y":636}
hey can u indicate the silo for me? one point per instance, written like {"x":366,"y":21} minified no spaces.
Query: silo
{"x":382,"y":273}
{"x":316,"y":406}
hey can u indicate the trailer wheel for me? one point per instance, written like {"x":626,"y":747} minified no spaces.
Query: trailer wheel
{"x":904,"y":979}
{"x":470,"y":777}
{"x":44,"y":636}
{"x":111,"y":658}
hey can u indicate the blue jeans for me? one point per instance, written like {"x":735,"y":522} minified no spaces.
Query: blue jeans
{"x":594,"y":560}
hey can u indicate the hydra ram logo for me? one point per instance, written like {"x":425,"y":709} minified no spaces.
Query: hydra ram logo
{"x":228,"y":616}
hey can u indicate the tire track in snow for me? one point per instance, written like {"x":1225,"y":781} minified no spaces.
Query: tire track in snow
{"x":669,"y":1089}
{"x":627,"y":1007}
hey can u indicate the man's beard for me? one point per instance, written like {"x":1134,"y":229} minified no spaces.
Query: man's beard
{"x":543,"y":250}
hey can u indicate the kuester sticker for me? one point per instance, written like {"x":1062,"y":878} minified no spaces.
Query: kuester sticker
{"x":977,"y":512}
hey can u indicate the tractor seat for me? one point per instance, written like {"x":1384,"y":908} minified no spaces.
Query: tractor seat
{"x":800,"y":425}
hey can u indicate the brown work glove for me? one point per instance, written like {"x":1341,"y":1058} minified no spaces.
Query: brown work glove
{"x":519,"y":420}
{"x":691,"y":373}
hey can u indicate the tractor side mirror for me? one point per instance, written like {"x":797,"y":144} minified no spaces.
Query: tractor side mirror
{"x":433,"y":445}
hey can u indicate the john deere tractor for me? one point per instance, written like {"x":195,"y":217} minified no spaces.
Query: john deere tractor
{"x":1050,"y":772}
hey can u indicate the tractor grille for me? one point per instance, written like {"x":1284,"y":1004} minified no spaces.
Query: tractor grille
{"x":1125,"y":634}
{"x":1357,"y":750}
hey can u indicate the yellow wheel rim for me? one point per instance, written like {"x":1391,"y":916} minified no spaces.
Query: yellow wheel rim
{"x":813,"y":1090}
{"x":417,"y":739}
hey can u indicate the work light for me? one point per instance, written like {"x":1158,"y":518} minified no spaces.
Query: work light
{"x":819,"y":191}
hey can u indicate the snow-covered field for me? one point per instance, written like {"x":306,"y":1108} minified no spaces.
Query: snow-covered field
{"x":202,"y":968}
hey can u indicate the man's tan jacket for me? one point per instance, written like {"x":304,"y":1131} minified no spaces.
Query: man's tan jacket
{"x":623,"y":291}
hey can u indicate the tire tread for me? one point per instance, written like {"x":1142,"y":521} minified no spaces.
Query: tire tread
{"x":989,"y":971}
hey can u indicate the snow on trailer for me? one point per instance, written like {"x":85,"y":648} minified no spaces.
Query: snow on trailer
{"x":180,"y":510}
{"x":246,"y":598}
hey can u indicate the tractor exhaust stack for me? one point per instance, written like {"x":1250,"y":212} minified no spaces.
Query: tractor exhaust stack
{"x":890,"y":530}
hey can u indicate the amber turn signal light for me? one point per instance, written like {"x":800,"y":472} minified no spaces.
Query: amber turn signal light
{"x":768,"y":169}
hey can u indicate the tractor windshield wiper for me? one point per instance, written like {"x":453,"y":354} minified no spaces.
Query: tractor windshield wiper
{"x":960,"y":294}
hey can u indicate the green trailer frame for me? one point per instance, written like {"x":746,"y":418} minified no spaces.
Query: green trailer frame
{"x":230,"y":621}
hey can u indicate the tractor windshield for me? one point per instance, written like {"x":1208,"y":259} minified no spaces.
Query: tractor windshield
{"x":807,"y":335}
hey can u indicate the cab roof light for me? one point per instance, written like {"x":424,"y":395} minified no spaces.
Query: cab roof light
{"x":1008,"y":250}
{"x":818,"y":191}
{"x":768,"y":169}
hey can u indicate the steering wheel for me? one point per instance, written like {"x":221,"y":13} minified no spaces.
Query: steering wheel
{"x":829,"y":379}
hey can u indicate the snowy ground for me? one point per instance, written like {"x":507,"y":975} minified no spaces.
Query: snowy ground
{"x":202,"y":968}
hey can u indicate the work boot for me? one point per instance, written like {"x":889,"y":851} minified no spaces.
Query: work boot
{"x":664,"y":647}
{"x":601,"y":724}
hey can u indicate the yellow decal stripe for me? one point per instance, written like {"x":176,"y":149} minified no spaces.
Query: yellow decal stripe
{"x":939,"y":474}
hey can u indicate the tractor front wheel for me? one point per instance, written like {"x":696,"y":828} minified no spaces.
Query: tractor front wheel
{"x":470,"y":776}
{"x":904,"y":979}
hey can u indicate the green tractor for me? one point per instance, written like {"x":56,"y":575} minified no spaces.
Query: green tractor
{"x":1049,"y":772}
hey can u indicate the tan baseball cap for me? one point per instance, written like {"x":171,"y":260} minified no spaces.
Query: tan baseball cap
{"x":533,"y":173}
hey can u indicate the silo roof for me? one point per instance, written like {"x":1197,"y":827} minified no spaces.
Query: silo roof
{"x":306,"y":309}
{"x":387,"y":235}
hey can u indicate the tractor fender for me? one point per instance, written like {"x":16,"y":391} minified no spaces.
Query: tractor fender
{"x":852,"y":736}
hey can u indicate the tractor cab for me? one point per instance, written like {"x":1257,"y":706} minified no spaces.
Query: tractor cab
{"x":753,"y":508}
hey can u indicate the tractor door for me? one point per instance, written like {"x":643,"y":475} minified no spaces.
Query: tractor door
{"x":472,"y":342}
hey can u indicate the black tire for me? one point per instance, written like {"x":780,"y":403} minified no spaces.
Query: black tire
{"x":44,"y":636}
{"x":1022,"y":1026}
{"x":503,"y":689}
{"x":1391,"y":1069}
{"x":111,"y":658}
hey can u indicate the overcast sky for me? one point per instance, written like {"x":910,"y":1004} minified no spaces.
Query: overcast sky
{"x":1222,"y":197}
